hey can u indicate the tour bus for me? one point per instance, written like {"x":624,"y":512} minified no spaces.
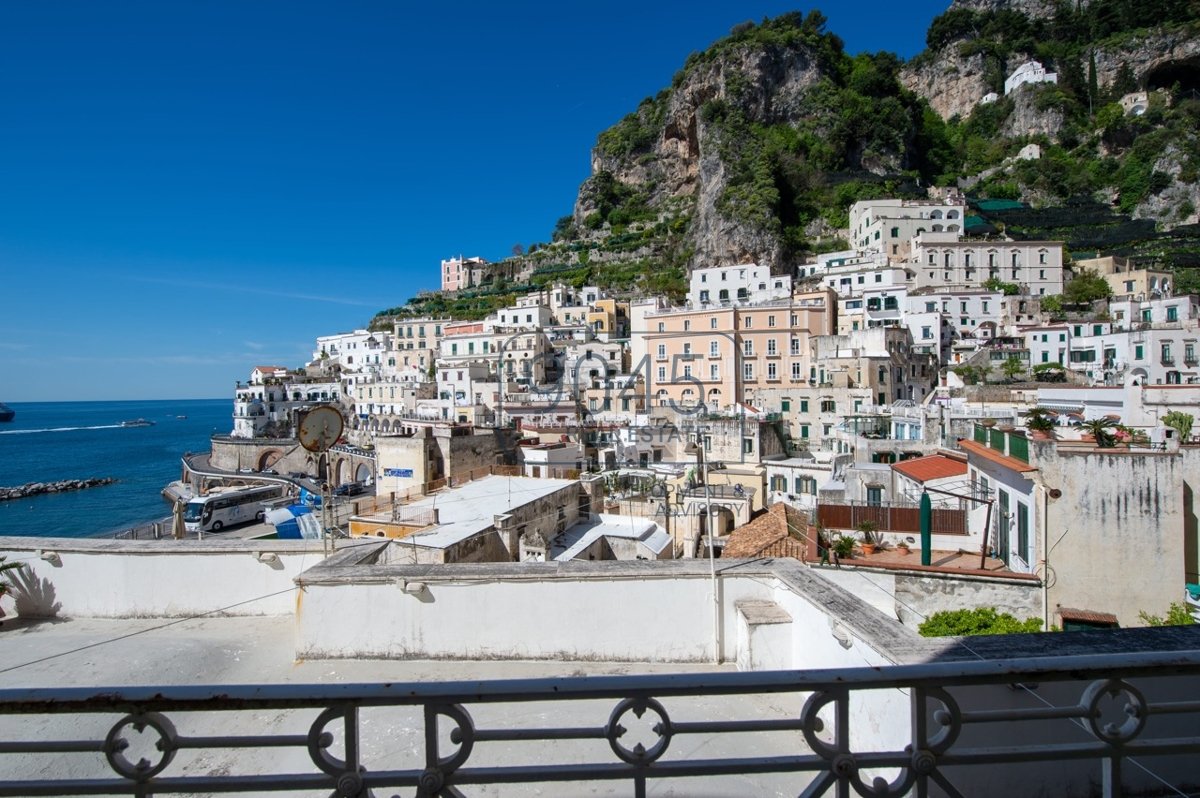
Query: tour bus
{"x":223,"y":508}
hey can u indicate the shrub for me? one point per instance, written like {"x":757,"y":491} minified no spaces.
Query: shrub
{"x":1177,"y":615}
{"x":979,"y":621}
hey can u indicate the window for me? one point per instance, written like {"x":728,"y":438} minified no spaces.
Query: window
{"x":687,"y":372}
{"x":828,"y":406}
{"x":771,"y":321}
{"x":1172,"y":313}
{"x":926,"y":333}
{"x":704,"y":296}
{"x":797,"y":374}
{"x":930,"y":307}
{"x":662,"y":351}
{"x":803,"y":405}
{"x":687,"y":348}
{"x":1023,"y":532}
{"x":714,"y":348}
{"x":748,"y":322}
{"x":771,"y":372}
{"x":895,"y":232}
{"x":662,"y":327}
{"x":1139,"y":352}
{"x":785,"y":405}
{"x":803,"y":431}
{"x":771,"y":346}
{"x":875,"y":495}
{"x":748,"y":348}
{"x":712,"y":324}
{"x":795,"y":346}
{"x":687,"y":325}
{"x":714,"y":371}
{"x":662,"y":373}
{"x":748,"y":371}
{"x":747,"y":446}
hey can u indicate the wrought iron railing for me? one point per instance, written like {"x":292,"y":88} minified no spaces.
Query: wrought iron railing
{"x":965,"y":723}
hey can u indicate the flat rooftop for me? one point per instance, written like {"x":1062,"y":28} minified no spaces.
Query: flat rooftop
{"x":472,"y":508}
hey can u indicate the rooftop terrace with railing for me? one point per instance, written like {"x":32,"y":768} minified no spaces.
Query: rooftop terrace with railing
{"x":267,"y":667}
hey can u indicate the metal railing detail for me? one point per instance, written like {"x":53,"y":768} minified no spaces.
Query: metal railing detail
{"x":957,"y":730}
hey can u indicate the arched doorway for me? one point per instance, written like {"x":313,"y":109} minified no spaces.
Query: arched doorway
{"x":363,"y":474}
{"x":339,"y":472}
{"x":269,"y":458}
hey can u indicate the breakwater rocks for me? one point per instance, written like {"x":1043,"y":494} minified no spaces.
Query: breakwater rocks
{"x":61,"y":486}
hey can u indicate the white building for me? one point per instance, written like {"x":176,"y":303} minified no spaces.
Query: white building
{"x":354,"y":351}
{"x":747,"y":283}
{"x":851,"y":278}
{"x":887,"y":226}
{"x":1029,"y":72}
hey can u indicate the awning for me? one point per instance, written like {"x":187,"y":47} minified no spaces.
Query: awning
{"x":296,"y":522}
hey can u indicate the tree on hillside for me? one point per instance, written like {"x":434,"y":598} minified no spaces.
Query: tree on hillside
{"x":1086,"y":287}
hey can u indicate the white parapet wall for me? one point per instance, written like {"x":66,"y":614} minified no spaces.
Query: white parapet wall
{"x":69,"y":577}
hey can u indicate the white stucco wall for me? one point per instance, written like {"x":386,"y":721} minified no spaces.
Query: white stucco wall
{"x":168,"y":579}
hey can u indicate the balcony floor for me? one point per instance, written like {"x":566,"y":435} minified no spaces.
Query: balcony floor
{"x":259,"y":651}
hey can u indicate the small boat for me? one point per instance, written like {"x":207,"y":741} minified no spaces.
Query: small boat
{"x":6,"y":413}
{"x":137,"y":422}
{"x":181,"y":418}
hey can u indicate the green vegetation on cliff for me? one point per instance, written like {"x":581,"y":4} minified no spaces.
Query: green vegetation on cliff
{"x":787,"y":167}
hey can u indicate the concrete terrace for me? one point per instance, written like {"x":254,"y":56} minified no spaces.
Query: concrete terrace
{"x":186,"y":624}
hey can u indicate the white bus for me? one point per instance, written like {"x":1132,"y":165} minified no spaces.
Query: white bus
{"x":229,"y":506}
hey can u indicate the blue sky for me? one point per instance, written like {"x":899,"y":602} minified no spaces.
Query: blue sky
{"x":189,"y":189}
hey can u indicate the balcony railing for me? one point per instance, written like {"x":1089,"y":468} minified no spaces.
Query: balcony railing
{"x":1076,"y":724}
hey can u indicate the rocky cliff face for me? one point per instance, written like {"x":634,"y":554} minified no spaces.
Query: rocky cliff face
{"x":950,"y":83}
{"x":680,"y":169}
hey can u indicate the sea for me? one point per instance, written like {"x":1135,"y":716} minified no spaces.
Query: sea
{"x":49,"y":441}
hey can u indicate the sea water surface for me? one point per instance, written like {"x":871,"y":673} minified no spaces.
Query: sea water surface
{"x":49,"y":441}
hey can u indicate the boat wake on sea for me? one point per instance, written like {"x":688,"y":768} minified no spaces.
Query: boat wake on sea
{"x":59,"y":429}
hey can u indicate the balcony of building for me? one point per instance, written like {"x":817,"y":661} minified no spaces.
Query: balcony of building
{"x":263,"y":668}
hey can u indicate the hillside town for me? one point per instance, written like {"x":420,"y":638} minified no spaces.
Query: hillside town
{"x":805,"y":413}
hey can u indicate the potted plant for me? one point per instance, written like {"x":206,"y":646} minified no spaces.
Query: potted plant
{"x":902,"y":547}
{"x":870,"y":541}
{"x":844,"y":547}
{"x":1040,"y":425}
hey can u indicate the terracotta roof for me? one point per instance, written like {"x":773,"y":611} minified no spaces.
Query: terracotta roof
{"x":768,"y":535}
{"x":988,"y":453}
{"x":934,"y":466}
{"x":270,"y":368}
{"x":1086,"y":616}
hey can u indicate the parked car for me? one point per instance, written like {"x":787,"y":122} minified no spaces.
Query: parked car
{"x":349,"y":489}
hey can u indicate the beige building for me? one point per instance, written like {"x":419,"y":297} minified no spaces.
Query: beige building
{"x":942,"y":260}
{"x":721,"y":356}
{"x":1126,"y":280}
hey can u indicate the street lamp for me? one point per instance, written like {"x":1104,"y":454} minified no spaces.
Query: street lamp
{"x":698,"y":450}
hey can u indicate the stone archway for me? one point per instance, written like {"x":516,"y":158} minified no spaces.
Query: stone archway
{"x":339,"y":471}
{"x":269,"y":458}
{"x":363,"y":474}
